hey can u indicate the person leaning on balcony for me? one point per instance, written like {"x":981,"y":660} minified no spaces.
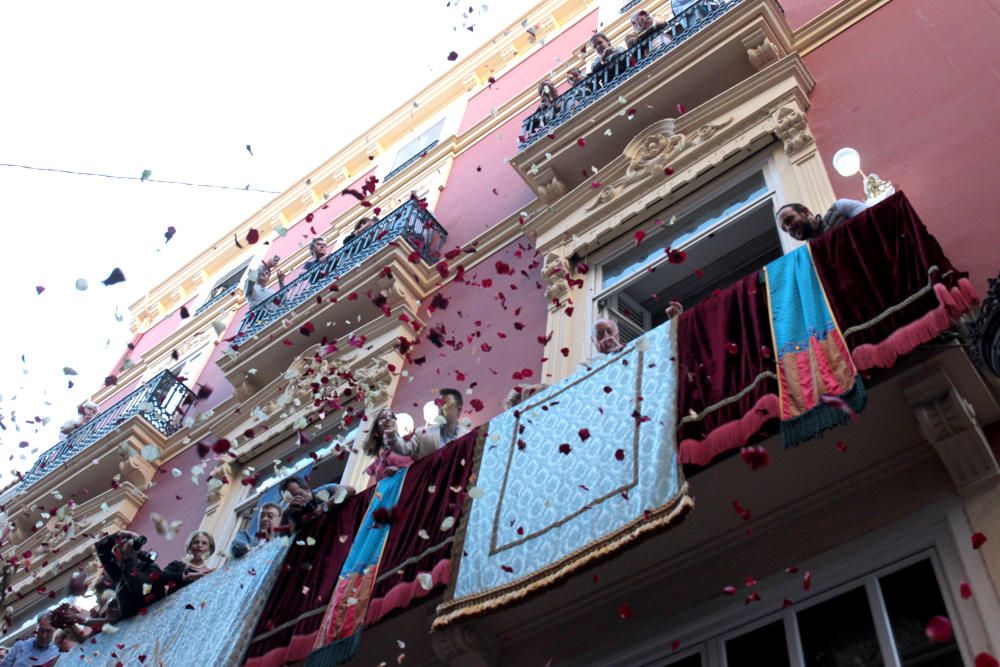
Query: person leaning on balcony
{"x":362,"y":225}
{"x":607,"y":338}
{"x":268,"y":521}
{"x":574,"y":76}
{"x":643,"y":25}
{"x":257,"y":289}
{"x":63,"y":641}
{"x":427,"y":440}
{"x":605,"y":52}
{"x":802,"y":224}
{"x":378,"y":444}
{"x":305,"y":503}
{"x":317,"y":248}
{"x":547,"y":95}
{"x":37,"y":651}
{"x":200,"y":546}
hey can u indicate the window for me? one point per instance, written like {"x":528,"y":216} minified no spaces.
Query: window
{"x":763,"y":646}
{"x":725,"y":236}
{"x":874,"y":620}
{"x":418,"y":145}
{"x":229,"y":282}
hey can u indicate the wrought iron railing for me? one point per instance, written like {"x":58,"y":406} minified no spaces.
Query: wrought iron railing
{"x":622,"y":67}
{"x":218,"y":296}
{"x":409,"y":221}
{"x":162,"y":401}
{"x":984,"y":330}
{"x":422,"y":152}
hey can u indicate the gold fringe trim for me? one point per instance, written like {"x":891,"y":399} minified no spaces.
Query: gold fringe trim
{"x":659,"y":520}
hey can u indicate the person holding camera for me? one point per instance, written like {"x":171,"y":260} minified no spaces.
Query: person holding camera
{"x":306,"y":503}
{"x":136,"y":579}
{"x":257,"y":290}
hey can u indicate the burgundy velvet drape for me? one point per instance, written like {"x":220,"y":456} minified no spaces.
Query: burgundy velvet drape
{"x":294,"y":611}
{"x":876,"y":261}
{"x":724,"y":346}
{"x":434,"y":489}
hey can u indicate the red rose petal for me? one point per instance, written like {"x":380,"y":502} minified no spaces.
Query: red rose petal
{"x":978,"y":540}
{"x":807,"y":581}
{"x":453,"y":56}
{"x":581,"y":142}
{"x":841,"y":446}
{"x":965,"y":590}
{"x":938,"y":630}
{"x":620,"y":454}
{"x":584,"y":434}
{"x":624,"y":612}
{"x":986,"y":660}
{"x":729,"y":590}
{"x":221,"y":446}
{"x":639,"y":236}
{"x":253,"y":236}
{"x":565,"y":448}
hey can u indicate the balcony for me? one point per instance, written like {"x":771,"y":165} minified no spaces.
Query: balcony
{"x":406,"y":165}
{"x":622,"y":67}
{"x":162,"y":402}
{"x":337,"y":298}
{"x":714,"y":47}
{"x":221,"y":293}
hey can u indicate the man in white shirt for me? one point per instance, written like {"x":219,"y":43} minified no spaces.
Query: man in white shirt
{"x":802,"y":224}
{"x":257,"y":289}
{"x":427,"y":440}
{"x":37,"y":651}
{"x":605,"y":52}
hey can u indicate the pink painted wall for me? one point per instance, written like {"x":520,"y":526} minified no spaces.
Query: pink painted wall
{"x":301,"y":232}
{"x":915,"y":87}
{"x":176,"y":499}
{"x":528,"y":72}
{"x":488,"y":373}
{"x":475,"y":200}
{"x":800,"y":12}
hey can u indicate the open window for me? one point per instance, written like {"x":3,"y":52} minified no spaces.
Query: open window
{"x":726,"y":229}
{"x":423,"y":142}
{"x":226,"y":285}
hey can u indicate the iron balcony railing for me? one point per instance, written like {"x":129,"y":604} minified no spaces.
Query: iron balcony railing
{"x":220,"y":294}
{"x":622,"y":67}
{"x":162,"y":401}
{"x":398,"y":170}
{"x":409,"y":221}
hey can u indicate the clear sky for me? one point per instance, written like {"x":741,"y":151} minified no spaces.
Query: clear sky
{"x":179,"y":88}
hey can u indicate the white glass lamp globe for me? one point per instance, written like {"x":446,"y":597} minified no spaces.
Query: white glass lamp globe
{"x":431,"y":412}
{"x":847,"y":162}
{"x":404,"y":423}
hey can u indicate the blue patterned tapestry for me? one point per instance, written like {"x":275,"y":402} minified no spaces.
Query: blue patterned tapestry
{"x":572,"y":475}
{"x":208,"y":622}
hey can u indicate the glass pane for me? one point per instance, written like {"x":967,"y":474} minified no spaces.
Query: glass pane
{"x":763,"y":646}
{"x":418,"y":144}
{"x":840,"y":632}
{"x":912,"y":597}
{"x":686,"y":230}
{"x":690,"y":661}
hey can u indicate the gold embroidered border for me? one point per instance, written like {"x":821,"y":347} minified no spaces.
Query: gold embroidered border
{"x":494,"y":549}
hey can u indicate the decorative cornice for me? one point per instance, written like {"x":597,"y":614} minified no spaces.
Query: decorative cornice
{"x":832,"y":22}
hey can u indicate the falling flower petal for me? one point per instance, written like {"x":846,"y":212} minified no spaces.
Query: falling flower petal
{"x":978,"y":540}
{"x":624,"y":611}
{"x":639,"y":236}
{"x":425,"y":581}
{"x":81,"y":284}
{"x":965,"y":590}
{"x":581,"y":142}
{"x":114,"y":278}
{"x":169,"y":234}
{"x":755,"y":457}
{"x":986,"y":660}
{"x":453,"y":56}
{"x":938,"y":630}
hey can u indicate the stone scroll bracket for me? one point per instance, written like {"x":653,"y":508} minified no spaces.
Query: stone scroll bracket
{"x":465,"y":645}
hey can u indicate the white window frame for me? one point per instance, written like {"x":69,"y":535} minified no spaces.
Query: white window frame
{"x":934,"y":533}
{"x":765,"y":161}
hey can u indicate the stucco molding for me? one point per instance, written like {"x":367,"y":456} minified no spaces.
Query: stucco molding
{"x":948,"y":422}
{"x":832,"y":22}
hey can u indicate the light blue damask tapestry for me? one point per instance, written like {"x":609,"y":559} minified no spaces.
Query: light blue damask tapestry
{"x":208,"y":622}
{"x":555,"y":499}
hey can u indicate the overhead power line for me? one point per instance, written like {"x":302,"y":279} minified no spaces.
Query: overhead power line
{"x":247,"y":188}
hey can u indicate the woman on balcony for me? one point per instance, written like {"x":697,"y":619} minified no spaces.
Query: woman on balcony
{"x":643,"y":27}
{"x":200,"y":546}
{"x":377,"y":444}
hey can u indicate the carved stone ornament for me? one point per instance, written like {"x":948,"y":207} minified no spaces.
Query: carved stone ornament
{"x":552,"y":188}
{"x":793,"y":129}
{"x":555,"y":270}
{"x":760,"y":50}
{"x":709,"y":130}
{"x":652,"y":151}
